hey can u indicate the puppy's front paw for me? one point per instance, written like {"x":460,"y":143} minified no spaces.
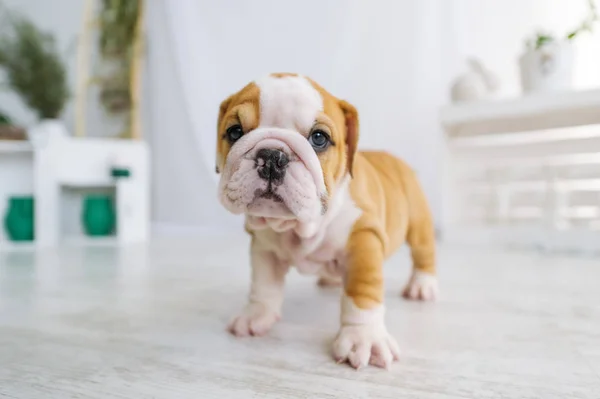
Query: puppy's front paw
{"x":422,"y":286}
{"x":360,"y":345}
{"x":256,"y":319}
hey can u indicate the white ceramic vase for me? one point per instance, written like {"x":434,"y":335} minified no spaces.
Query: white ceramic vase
{"x":40,"y":134}
{"x":547,"y":69}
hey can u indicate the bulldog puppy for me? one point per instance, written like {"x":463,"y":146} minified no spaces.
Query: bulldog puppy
{"x":287,"y":154}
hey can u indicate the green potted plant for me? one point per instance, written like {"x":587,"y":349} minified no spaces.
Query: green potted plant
{"x":547,"y":63}
{"x":36,"y":72}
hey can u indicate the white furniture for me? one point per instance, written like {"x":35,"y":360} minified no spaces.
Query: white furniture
{"x":59,"y":170}
{"x":525,"y":172}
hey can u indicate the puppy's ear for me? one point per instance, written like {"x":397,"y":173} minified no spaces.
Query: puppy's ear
{"x":222,"y":111}
{"x":351,"y":116}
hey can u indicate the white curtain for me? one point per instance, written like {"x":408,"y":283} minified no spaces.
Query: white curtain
{"x":385,"y":57}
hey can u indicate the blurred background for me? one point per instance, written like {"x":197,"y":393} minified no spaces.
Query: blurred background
{"x":440,"y":83}
{"x":108,"y":112}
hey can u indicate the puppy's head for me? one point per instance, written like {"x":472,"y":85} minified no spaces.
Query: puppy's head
{"x":284,"y":144}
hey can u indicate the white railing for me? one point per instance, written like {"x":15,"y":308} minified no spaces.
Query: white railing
{"x":536,"y":188}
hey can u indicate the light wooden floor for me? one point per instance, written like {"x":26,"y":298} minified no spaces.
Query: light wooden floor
{"x":104,"y":323}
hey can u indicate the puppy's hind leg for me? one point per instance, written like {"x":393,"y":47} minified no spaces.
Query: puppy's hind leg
{"x":331,"y":275}
{"x":422,"y":284}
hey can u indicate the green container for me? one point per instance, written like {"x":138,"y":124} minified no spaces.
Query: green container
{"x":98,"y":216}
{"x":120,"y":173}
{"x":19,"y":220}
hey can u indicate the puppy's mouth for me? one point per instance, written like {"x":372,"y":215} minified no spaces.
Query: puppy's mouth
{"x":268,"y":194}
{"x":268,"y":203}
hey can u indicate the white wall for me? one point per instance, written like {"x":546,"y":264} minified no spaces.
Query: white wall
{"x":183,"y":191}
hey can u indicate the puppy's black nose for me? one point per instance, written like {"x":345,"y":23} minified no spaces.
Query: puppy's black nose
{"x":271,"y":164}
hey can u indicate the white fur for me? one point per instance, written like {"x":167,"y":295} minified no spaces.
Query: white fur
{"x":266,"y":296}
{"x":303,"y":184}
{"x":421,"y":286}
{"x":256,"y":319}
{"x":353,"y":315}
{"x":273,"y":250}
{"x":363,"y":338}
{"x":289,"y":102}
{"x":327,"y":247}
{"x":318,"y":246}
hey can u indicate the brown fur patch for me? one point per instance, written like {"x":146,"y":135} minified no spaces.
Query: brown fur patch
{"x":338,"y":161}
{"x":242,"y":107}
{"x":283,"y":74}
{"x":395,"y":210}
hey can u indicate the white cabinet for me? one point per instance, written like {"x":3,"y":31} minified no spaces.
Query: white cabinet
{"x":525,"y":173}
{"x":59,"y":170}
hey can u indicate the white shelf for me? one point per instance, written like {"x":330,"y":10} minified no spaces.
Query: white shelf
{"x":83,"y":184}
{"x":16,"y":246}
{"x":88,"y":241}
{"x":58,"y":172}
{"x":9,"y":146}
{"x":83,"y":241}
{"x":534,"y":112}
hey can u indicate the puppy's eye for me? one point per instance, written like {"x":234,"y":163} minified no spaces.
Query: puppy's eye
{"x":234,"y":133}
{"x":319,"y":140}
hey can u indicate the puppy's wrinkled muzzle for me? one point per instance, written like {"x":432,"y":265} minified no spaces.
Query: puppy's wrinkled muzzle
{"x":273,"y":173}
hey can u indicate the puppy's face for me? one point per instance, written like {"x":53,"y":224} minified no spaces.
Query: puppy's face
{"x":283,"y":146}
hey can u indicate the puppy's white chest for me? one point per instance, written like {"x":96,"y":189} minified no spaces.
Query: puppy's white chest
{"x":324,"y":253}
{"x":311,"y":256}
